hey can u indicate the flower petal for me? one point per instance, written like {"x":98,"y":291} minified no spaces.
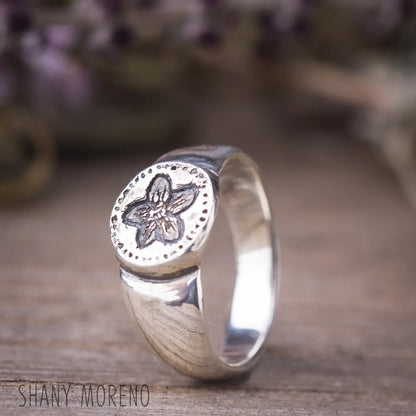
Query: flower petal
{"x":182,"y":199}
{"x":136,"y":213}
{"x":171,"y":228}
{"x":159,"y":189}
{"x":146,"y":234}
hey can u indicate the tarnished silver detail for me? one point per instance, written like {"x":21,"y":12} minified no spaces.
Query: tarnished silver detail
{"x":159,"y":225}
{"x":157,"y":216}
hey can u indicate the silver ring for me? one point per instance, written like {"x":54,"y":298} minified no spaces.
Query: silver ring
{"x":159,"y":225}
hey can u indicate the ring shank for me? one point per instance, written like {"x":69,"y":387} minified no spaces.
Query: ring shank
{"x":248,"y":213}
{"x":171,"y":315}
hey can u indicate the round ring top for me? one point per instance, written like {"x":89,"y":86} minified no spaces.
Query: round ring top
{"x":165,"y":211}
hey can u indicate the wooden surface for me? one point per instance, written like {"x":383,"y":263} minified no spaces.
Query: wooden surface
{"x":344,"y":338}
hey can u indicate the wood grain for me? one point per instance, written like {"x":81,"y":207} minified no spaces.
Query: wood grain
{"x":344,"y":338}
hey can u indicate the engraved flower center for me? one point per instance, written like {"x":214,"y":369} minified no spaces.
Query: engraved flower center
{"x":159,"y":212}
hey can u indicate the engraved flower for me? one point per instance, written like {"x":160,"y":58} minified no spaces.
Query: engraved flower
{"x":156,"y":217}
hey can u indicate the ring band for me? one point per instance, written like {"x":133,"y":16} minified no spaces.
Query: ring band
{"x":159,"y":225}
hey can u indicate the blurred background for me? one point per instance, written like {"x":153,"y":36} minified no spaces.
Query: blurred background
{"x":93,"y":79}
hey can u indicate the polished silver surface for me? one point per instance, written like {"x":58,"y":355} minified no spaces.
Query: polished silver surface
{"x":159,"y":225}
